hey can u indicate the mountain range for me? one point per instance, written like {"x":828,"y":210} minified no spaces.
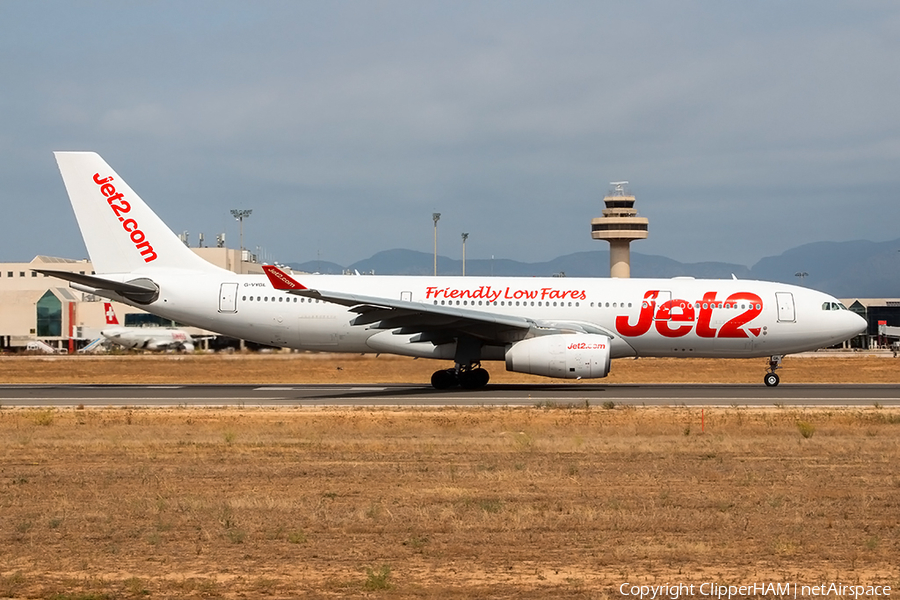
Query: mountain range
{"x":857,"y":269}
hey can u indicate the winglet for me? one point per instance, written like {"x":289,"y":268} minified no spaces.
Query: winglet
{"x":281,"y":280}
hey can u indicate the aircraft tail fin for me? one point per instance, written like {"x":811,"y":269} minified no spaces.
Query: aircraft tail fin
{"x":122,"y":234}
{"x":111,"y":318}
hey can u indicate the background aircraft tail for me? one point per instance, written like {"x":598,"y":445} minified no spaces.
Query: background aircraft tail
{"x":121,"y":232}
{"x":111,"y":318}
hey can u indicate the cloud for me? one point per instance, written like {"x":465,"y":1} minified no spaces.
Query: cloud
{"x":744,"y":129}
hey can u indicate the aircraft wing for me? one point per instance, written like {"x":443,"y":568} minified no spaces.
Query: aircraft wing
{"x":437,"y":324}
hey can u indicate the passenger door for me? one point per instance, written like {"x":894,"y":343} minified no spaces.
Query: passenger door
{"x":228,"y":298}
{"x":786,"y":311}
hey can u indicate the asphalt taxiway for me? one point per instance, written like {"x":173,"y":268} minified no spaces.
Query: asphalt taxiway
{"x":418,"y":395}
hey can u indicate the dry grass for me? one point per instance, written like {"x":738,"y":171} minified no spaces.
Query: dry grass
{"x":335,"y":368}
{"x":440,"y":503}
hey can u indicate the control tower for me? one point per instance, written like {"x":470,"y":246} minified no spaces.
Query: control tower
{"x":619,"y":225}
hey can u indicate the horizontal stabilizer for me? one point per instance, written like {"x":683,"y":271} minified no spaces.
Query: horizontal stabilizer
{"x":141,"y":290}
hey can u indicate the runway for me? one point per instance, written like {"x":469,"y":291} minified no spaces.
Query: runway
{"x":417,"y":395}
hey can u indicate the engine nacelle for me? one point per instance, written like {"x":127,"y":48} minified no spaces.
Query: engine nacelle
{"x":566,"y":356}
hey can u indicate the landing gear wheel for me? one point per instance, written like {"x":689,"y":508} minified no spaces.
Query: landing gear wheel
{"x":444,"y":380}
{"x":771,"y":379}
{"x":473,"y":379}
{"x":483,"y":377}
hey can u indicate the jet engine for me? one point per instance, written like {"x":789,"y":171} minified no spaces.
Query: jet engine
{"x":565,"y":356}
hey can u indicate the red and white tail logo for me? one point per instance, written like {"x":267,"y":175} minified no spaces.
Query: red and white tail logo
{"x":281,"y":280}
{"x":110,"y":314}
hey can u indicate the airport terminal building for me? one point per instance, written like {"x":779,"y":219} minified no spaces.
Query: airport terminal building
{"x":34,"y":306}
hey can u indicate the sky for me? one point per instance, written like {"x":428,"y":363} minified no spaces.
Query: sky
{"x":744,"y":128}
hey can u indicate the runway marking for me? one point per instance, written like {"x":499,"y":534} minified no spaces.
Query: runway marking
{"x":318,"y":389}
{"x":136,"y":400}
{"x":194,"y":402}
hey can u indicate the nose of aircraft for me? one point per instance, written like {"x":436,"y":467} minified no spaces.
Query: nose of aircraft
{"x":855,"y":324}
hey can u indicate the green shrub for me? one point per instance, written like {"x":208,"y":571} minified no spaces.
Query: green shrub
{"x":806,"y":429}
{"x":377,"y":580}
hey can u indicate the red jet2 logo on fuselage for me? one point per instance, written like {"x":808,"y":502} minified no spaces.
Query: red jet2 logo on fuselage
{"x":120,"y":206}
{"x":676,"y":318}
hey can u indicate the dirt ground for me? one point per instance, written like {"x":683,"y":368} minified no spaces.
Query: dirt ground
{"x":534,"y":502}
{"x":442,"y":503}
{"x":353,"y":368}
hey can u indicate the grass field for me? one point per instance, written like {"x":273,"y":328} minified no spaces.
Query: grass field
{"x":550,"y":502}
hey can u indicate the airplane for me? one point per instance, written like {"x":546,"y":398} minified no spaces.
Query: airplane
{"x":144,"y":338}
{"x":566,"y":328}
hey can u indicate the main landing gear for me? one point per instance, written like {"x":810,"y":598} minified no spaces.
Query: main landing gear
{"x":471,"y":377}
{"x":771,"y":379}
{"x":467,"y":373}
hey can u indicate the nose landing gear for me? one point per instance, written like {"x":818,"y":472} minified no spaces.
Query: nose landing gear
{"x":771,"y":379}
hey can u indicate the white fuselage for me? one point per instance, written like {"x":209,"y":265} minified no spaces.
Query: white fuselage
{"x":644,"y":317}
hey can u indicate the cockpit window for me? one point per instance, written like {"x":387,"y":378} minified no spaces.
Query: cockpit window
{"x":833,"y":306}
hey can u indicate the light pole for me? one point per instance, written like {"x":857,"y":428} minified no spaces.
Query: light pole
{"x":801,"y":275}
{"x":465,"y":236}
{"x":240,"y":215}
{"x":436,"y":217}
